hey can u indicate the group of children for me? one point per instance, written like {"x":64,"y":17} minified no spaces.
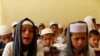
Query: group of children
{"x":29,"y":40}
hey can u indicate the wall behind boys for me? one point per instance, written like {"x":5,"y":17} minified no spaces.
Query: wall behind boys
{"x":0,"y":12}
{"x":63,"y":11}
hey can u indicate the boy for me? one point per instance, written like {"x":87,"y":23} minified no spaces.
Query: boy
{"x":47,"y":38}
{"x":58,"y":38}
{"x":94,"y":38}
{"x":5,"y":35}
{"x":77,"y":40}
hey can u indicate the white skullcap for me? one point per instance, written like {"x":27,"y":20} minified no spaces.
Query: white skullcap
{"x":53,"y":22}
{"x":88,"y":18}
{"x":46,"y":31}
{"x":26,"y":22}
{"x":4,"y":30}
{"x":90,"y":24}
{"x":14,"y":23}
{"x":60,"y":26}
{"x":78,"y":27}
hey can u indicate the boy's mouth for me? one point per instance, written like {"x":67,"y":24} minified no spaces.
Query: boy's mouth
{"x":26,"y":38}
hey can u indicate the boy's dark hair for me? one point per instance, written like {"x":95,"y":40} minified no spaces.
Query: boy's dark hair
{"x":98,"y":24}
{"x":41,"y":25}
{"x":54,"y":25}
{"x":93,"y":32}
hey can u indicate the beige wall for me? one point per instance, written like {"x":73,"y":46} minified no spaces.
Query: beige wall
{"x":63,"y":11}
{"x":0,"y":12}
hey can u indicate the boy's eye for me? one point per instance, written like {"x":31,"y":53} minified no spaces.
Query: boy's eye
{"x":76,"y":39}
{"x":23,"y":30}
{"x":3,"y":38}
{"x":30,"y":30}
{"x":83,"y":38}
{"x":45,"y":39}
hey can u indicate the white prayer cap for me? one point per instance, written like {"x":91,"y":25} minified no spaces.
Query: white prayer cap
{"x":78,"y":27}
{"x":53,"y":22}
{"x":60,"y":26}
{"x":26,"y":22}
{"x":88,"y":18}
{"x":14,"y":23}
{"x":4,"y":30}
{"x":46,"y":31}
{"x":89,"y":21}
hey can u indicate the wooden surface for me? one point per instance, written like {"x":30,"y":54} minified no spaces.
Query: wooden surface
{"x":51,"y":53}
{"x":56,"y":53}
{"x":97,"y":51}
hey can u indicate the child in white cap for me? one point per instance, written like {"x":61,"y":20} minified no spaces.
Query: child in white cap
{"x":47,"y":38}
{"x":14,"y":24}
{"x":91,"y":22}
{"x":60,"y":29}
{"x":55,"y":29}
{"x":77,"y":40}
{"x":41,"y":27}
{"x":25,"y":41}
{"x":5,"y":35}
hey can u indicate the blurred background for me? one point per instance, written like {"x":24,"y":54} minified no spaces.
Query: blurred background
{"x":45,"y":11}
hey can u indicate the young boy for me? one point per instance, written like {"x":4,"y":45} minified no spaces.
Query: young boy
{"x":25,"y":41}
{"x":77,"y":40}
{"x":14,"y":24}
{"x":58,"y":38}
{"x":5,"y":35}
{"x":41,"y":27}
{"x":47,"y":38}
{"x":94,"y":38}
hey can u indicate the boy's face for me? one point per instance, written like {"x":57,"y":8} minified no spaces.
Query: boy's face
{"x":27,"y":34}
{"x":94,"y":41}
{"x":60,"y":30}
{"x":6,"y":38}
{"x":48,"y":40}
{"x":78,"y":40}
{"x":54,"y":29}
{"x":41,"y":28}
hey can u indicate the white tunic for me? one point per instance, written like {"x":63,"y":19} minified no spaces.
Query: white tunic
{"x":59,"y":39}
{"x":8,"y":50}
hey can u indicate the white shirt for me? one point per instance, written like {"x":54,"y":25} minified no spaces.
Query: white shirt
{"x":91,"y":52}
{"x":8,"y":50}
{"x":59,"y":39}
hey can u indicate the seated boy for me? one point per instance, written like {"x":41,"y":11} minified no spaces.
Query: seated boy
{"x":47,"y":39}
{"x":5,"y":36}
{"x":94,"y":38}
